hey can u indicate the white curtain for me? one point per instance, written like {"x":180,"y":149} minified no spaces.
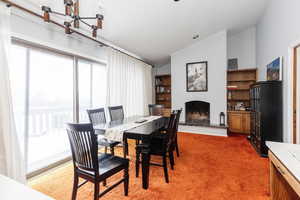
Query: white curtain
{"x":129,"y":83}
{"x":11,"y":161}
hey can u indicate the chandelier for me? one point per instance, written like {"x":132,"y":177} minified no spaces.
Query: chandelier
{"x":72,"y":13}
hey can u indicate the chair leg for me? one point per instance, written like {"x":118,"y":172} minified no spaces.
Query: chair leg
{"x":137,"y":163}
{"x":105,"y":150}
{"x":125,"y":148}
{"x":112,"y":150}
{"x":75,"y":187}
{"x":177,"y":148}
{"x":126,"y":181}
{"x":96,"y":191}
{"x":165,"y":168}
{"x":104,"y":182}
{"x":171,"y":157}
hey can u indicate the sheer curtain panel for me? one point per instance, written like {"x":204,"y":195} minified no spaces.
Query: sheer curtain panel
{"x":129,"y":83}
{"x":11,"y":161}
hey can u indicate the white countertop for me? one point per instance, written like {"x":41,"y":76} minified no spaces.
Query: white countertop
{"x":12,"y":190}
{"x":289,"y":156}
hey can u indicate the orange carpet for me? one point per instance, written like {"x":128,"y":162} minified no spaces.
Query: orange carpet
{"x":209,"y":168}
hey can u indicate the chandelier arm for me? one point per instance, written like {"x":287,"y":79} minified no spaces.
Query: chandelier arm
{"x":58,"y":13}
{"x":85,"y":23}
{"x":88,"y":17}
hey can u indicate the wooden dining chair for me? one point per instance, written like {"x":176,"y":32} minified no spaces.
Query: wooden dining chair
{"x":96,"y":117}
{"x":163,"y":146}
{"x":156,"y":110}
{"x":89,"y":165}
{"x":116,"y":113}
{"x":164,"y":130}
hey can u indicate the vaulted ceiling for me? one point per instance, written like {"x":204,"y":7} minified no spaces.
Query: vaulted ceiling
{"x":154,"y":29}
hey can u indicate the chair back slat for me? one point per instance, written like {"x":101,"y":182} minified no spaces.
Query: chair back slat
{"x":177,"y":119}
{"x":84,"y":146}
{"x":116,"y":113}
{"x":171,"y":131}
{"x":156,"y":110}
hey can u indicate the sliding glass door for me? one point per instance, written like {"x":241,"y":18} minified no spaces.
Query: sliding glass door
{"x":50,"y":107}
{"x":45,"y":86}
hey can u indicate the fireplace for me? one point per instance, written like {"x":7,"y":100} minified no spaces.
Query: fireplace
{"x":197,"y":113}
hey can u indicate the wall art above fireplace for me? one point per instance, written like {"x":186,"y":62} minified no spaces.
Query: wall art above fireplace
{"x":196,"y":77}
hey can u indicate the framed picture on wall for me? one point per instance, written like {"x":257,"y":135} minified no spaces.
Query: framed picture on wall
{"x":274,"y":70}
{"x":196,"y":77}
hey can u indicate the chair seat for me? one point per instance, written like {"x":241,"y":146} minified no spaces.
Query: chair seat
{"x":109,"y":164}
{"x":102,"y":141}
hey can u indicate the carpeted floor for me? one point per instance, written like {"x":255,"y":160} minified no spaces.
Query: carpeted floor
{"x":209,"y":168}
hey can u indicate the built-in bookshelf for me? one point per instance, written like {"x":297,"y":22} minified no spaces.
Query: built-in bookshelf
{"x":238,"y":99}
{"x":163,"y":90}
{"x":238,"y":86}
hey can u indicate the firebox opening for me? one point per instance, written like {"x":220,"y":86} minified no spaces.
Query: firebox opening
{"x":197,"y":112}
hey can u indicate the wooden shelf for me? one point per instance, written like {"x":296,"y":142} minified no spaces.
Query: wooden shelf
{"x":242,"y":70}
{"x":238,"y":99}
{"x":250,"y":80}
{"x":238,"y":90}
{"x":163,"y":93}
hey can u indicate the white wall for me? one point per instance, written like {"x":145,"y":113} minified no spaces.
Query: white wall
{"x":277,"y":31}
{"x":243,"y":46}
{"x":214,"y":50}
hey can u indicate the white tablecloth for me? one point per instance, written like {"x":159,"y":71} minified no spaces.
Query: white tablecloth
{"x":116,"y":133}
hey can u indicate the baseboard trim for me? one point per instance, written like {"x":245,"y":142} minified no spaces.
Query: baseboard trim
{"x":203,"y":130}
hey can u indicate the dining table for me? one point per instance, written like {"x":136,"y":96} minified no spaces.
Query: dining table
{"x":140,"y":128}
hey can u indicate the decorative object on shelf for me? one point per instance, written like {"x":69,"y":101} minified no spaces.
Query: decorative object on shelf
{"x":274,"y":70}
{"x":72,"y":12}
{"x":239,"y":106}
{"x":222,"y":119}
{"x":196,"y":77}
{"x":229,"y":95}
{"x":233,"y":64}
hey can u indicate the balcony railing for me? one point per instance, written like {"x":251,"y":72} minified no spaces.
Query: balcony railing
{"x":47,"y":120}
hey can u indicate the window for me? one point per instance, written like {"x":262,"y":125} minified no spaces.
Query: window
{"x":43,"y":92}
{"x":92,"y":87}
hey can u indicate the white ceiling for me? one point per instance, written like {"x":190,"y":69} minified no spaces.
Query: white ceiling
{"x":154,"y":29}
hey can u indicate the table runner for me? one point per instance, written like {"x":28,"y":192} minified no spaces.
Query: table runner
{"x":116,"y":133}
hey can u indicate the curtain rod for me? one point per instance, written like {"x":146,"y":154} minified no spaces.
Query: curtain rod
{"x":9,"y":3}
